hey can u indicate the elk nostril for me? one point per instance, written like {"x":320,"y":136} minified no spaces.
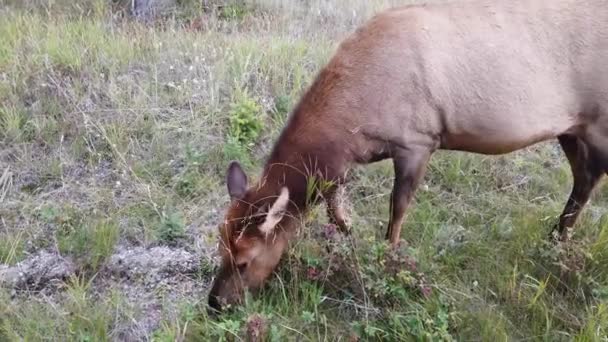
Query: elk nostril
{"x":214,"y":306}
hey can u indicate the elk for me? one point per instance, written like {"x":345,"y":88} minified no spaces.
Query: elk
{"x":483,"y":76}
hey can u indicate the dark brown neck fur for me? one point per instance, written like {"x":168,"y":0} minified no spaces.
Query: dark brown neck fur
{"x":308,"y":146}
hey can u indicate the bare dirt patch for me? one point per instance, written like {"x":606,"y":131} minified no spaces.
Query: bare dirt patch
{"x":41,"y":270}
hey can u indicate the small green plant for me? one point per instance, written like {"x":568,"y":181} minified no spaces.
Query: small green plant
{"x":245,"y":120}
{"x":414,"y":324}
{"x":164,"y":333}
{"x":282,"y":105}
{"x":235,"y":10}
{"x":171,"y":228}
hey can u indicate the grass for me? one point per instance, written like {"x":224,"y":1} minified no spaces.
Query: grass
{"x":80,"y":317}
{"x":116,"y":134}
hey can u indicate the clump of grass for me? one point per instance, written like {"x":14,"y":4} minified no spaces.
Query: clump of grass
{"x":12,"y":248}
{"x":104,"y":238}
{"x":596,"y":326}
{"x":234,"y":10}
{"x":91,"y":241}
{"x":86,"y":323}
{"x":77,"y":315}
{"x":14,"y":125}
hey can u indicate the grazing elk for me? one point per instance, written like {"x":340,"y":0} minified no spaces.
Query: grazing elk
{"x":483,"y":76}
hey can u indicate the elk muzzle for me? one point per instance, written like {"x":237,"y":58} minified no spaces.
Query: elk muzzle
{"x":227,"y":289}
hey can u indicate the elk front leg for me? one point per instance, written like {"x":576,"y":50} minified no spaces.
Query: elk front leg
{"x":335,"y":210}
{"x":410,"y":166}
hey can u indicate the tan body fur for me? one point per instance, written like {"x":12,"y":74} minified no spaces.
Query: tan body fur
{"x":479,"y":77}
{"x":485,"y":76}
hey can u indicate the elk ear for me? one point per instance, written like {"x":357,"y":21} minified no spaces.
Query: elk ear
{"x":276,"y":212}
{"x":236,"y":179}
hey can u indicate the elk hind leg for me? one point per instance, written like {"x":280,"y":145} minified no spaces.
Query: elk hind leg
{"x":587,"y":169}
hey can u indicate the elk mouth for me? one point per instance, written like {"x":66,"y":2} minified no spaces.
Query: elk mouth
{"x":215,"y":308}
{"x":217,"y":302}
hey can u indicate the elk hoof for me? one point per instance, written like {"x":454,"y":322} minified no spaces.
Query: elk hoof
{"x":556,"y":236}
{"x":343,"y":228}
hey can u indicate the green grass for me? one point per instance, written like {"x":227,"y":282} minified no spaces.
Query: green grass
{"x":80,"y":317}
{"x":82,"y":236}
{"x":117,"y":133}
{"x":11,"y":248}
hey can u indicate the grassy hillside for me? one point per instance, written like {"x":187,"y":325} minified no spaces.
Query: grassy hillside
{"x":114,"y":139}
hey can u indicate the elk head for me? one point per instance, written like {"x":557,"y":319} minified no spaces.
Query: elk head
{"x":252,"y":237}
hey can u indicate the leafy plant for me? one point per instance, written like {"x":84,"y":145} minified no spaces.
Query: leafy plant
{"x":245,"y":120}
{"x":171,"y":227}
{"x":234,"y":10}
